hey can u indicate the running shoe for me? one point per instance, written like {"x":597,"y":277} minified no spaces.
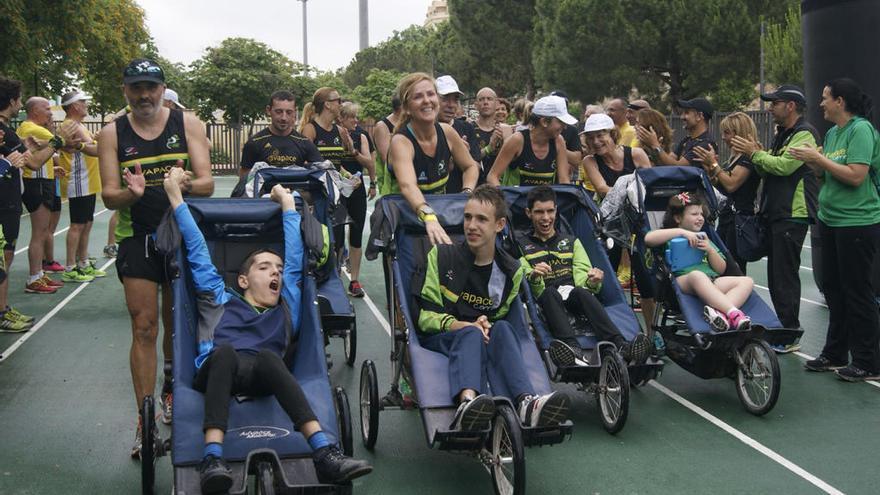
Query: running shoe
{"x":76,"y":275}
{"x":853,"y":374}
{"x":822,"y":363}
{"x":92,"y":271}
{"x":51,"y":282}
{"x":214,"y":475}
{"x":563,"y":354}
{"x":544,"y":410}
{"x":39,"y":286}
{"x":167,"y":406}
{"x":474,"y":414}
{"x":138,"y":439}
{"x":355,"y":289}
{"x":53,"y":266}
{"x":739,"y":321}
{"x":335,"y":467}
{"x":716,"y":319}
{"x":637,"y":351}
{"x":18,"y":315}
{"x":785,"y":349}
{"x":9,"y":324}
{"x":110,"y":251}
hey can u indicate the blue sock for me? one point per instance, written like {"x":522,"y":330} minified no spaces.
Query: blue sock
{"x":318,"y":440}
{"x":215,"y":449}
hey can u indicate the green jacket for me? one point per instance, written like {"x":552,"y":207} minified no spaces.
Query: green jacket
{"x":439,"y":284}
{"x":790,"y":188}
{"x":566,"y":256}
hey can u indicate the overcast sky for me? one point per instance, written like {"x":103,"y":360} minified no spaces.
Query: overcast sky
{"x":184,"y":28}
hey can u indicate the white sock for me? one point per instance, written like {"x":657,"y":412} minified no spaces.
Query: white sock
{"x":34,"y":278}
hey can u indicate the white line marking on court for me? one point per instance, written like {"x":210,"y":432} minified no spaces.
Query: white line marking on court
{"x":802,"y":267}
{"x":817,"y":303}
{"x":33,"y":330}
{"x":59,"y":232}
{"x":751,"y":442}
{"x":373,"y":308}
{"x":807,"y":357}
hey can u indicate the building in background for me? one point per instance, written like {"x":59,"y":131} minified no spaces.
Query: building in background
{"x":438,"y":12}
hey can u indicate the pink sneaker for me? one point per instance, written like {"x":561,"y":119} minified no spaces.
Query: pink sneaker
{"x":739,"y":321}
{"x":53,"y":266}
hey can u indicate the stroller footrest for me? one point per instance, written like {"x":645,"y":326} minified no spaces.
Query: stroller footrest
{"x":546,"y":435}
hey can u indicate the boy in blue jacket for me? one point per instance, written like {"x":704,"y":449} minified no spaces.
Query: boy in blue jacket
{"x":251,"y":335}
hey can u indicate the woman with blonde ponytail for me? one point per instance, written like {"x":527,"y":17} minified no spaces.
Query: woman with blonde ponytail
{"x":421,"y":149}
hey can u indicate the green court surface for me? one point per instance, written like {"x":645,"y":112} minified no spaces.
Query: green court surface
{"x":67,"y":412}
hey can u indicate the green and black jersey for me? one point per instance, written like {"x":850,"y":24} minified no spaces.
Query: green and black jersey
{"x":451,"y":287}
{"x":566,"y":256}
{"x":156,"y":157}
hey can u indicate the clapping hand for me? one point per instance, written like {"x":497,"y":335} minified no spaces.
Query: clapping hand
{"x":135,"y":181}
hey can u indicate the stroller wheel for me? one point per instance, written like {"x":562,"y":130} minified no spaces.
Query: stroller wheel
{"x":369,"y":402}
{"x":265,"y":479}
{"x":612,"y":393}
{"x":349,"y":343}
{"x":148,"y":445}
{"x":757,"y":377}
{"x":508,"y":462}
{"x":343,"y":419}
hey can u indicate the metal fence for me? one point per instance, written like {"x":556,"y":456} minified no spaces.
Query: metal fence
{"x":227,"y":141}
{"x":763,"y":121}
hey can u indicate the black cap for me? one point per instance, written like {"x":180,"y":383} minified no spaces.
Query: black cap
{"x":142,"y":69}
{"x":633,"y":106}
{"x":786,"y":92}
{"x":560,"y":94}
{"x":701,"y":105}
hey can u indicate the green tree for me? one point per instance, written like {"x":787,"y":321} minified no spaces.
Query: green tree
{"x":405,"y":51}
{"x":304,"y":86}
{"x":495,"y":39}
{"x":237,"y":77}
{"x":374,"y":96}
{"x":50,"y":46}
{"x":676,"y":48}
{"x":783,"y":53}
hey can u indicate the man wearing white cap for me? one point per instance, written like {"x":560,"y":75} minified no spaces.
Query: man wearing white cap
{"x":450,"y":103}
{"x":172,"y":100}
{"x":537,"y":154}
{"x":80,"y":183}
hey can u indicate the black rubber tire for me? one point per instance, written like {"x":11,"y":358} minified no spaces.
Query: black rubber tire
{"x":349,"y":343}
{"x":343,"y":421}
{"x":506,"y":445}
{"x":612,"y":396}
{"x":148,"y":445}
{"x":760,"y":359}
{"x":369,"y":404}
{"x":265,"y":479}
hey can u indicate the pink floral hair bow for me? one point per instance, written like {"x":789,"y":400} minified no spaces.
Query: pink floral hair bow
{"x":685,"y":198}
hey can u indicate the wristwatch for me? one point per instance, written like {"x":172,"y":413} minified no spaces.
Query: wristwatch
{"x":424,"y":211}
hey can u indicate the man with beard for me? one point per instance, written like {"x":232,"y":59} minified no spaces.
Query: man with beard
{"x":696,"y":115}
{"x":140,"y":148}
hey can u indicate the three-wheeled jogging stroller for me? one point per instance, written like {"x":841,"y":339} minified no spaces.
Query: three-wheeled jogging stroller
{"x":607,"y":376}
{"x":337,"y":313}
{"x":261,"y":439}
{"x":500,"y":448}
{"x":746,"y":355}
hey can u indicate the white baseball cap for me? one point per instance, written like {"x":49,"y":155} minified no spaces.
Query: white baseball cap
{"x":73,"y":97}
{"x":553,"y":106}
{"x":446,"y":85}
{"x":598,"y":122}
{"x":171,"y":95}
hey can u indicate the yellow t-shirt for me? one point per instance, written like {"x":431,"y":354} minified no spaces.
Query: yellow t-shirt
{"x":28,"y":129}
{"x":82,"y":176}
{"x":628,"y":136}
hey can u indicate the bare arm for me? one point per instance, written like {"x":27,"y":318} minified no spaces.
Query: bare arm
{"x":640,"y":158}
{"x":563,"y":169}
{"x":309,"y":131}
{"x":470,"y":171}
{"x":649,"y":137}
{"x":202,"y":183}
{"x":595,"y":177}
{"x":511,"y":149}
{"x":401,"y":154}
{"x":662,"y":236}
{"x":382,"y":137}
{"x":851,"y":174}
{"x":114,"y":195}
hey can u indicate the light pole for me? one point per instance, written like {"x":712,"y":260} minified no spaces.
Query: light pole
{"x":364,"y":25}
{"x":305,"y":36}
